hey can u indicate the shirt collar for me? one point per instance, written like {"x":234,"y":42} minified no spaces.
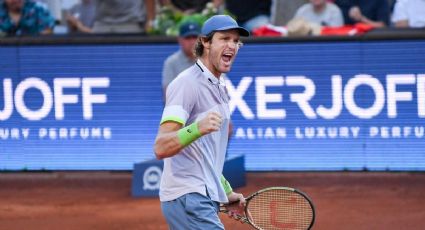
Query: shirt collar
{"x":207,"y":73}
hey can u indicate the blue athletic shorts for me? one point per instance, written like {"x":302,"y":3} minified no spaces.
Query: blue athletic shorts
{"x":192,"y":211}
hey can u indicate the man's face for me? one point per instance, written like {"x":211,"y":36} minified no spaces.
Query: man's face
{"x":187,"y":45}
{"x":222,"y":50}
{"x":14,"y":5}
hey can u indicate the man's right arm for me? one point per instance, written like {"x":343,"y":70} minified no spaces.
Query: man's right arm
{"x":172,"y":137}
{"x":167,"y":143}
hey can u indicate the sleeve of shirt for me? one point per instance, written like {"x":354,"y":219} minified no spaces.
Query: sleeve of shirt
{"x":299,"y":13}
{"x":226,"y":185}
{"x":181,"y":97}
{"x":399,"y":12}
{"x":337,"y":19}
{"x":45,"y":18}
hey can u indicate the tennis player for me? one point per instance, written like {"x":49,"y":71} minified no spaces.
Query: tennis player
{"x":193,"y":133}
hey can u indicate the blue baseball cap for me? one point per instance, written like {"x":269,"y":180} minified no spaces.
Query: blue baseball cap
{"x":189,"y":28}
{"x":221,"y":23}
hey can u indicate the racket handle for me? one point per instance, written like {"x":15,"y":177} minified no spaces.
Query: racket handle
{"x":238,"y":217}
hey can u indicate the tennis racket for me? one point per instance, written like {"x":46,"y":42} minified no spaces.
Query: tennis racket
{"x":278,"y":208}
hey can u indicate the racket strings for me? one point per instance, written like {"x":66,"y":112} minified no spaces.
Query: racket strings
{"x":280,"y":209}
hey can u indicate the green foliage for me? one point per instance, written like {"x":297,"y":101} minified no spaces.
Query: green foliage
{"x":168,"y":19}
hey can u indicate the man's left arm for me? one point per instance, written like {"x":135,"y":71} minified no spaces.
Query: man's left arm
{"x":237,"y":202}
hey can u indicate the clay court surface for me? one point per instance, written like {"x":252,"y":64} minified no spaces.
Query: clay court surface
{"x":102,"y":200}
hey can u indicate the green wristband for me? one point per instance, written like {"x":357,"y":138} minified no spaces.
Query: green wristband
{"x":226,"y":185}
{"x":188,"y":134}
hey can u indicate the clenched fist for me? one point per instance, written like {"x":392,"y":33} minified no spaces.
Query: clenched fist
{"x":210,"y":123}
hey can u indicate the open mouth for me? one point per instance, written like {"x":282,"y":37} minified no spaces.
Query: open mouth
{"x":227,"y":58}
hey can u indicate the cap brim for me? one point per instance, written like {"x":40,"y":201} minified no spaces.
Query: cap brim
{"x":189,"y":34}
{"x":242,"y":31}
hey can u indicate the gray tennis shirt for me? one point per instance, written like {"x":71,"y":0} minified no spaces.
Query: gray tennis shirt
{"x":197,"y":167}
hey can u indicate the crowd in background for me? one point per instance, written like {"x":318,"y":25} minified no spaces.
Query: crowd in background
{"x":162,"y":17}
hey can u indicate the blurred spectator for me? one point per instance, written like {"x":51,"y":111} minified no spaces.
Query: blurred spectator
{"x":372,"y":12}
{"x":80,"y":18}
{"x":321,"y":12}
{"x":409,"y":13}
{"x":250,"y":14}
{"x":283,"y":11}
{"x":186,"y":6}
{"x":301,"y":27}
{"x":25,"y":17}
{"x":123,"y":16}
{"x":54,"y":7}
{"x":184,"y":57}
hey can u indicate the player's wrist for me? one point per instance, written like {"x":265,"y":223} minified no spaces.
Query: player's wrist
{"x":188,"y":134}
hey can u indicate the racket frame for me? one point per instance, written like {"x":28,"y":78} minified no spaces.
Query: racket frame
{"x":246,"y":211}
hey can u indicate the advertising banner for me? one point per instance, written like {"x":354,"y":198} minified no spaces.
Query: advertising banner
{"x":347,"y":105}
